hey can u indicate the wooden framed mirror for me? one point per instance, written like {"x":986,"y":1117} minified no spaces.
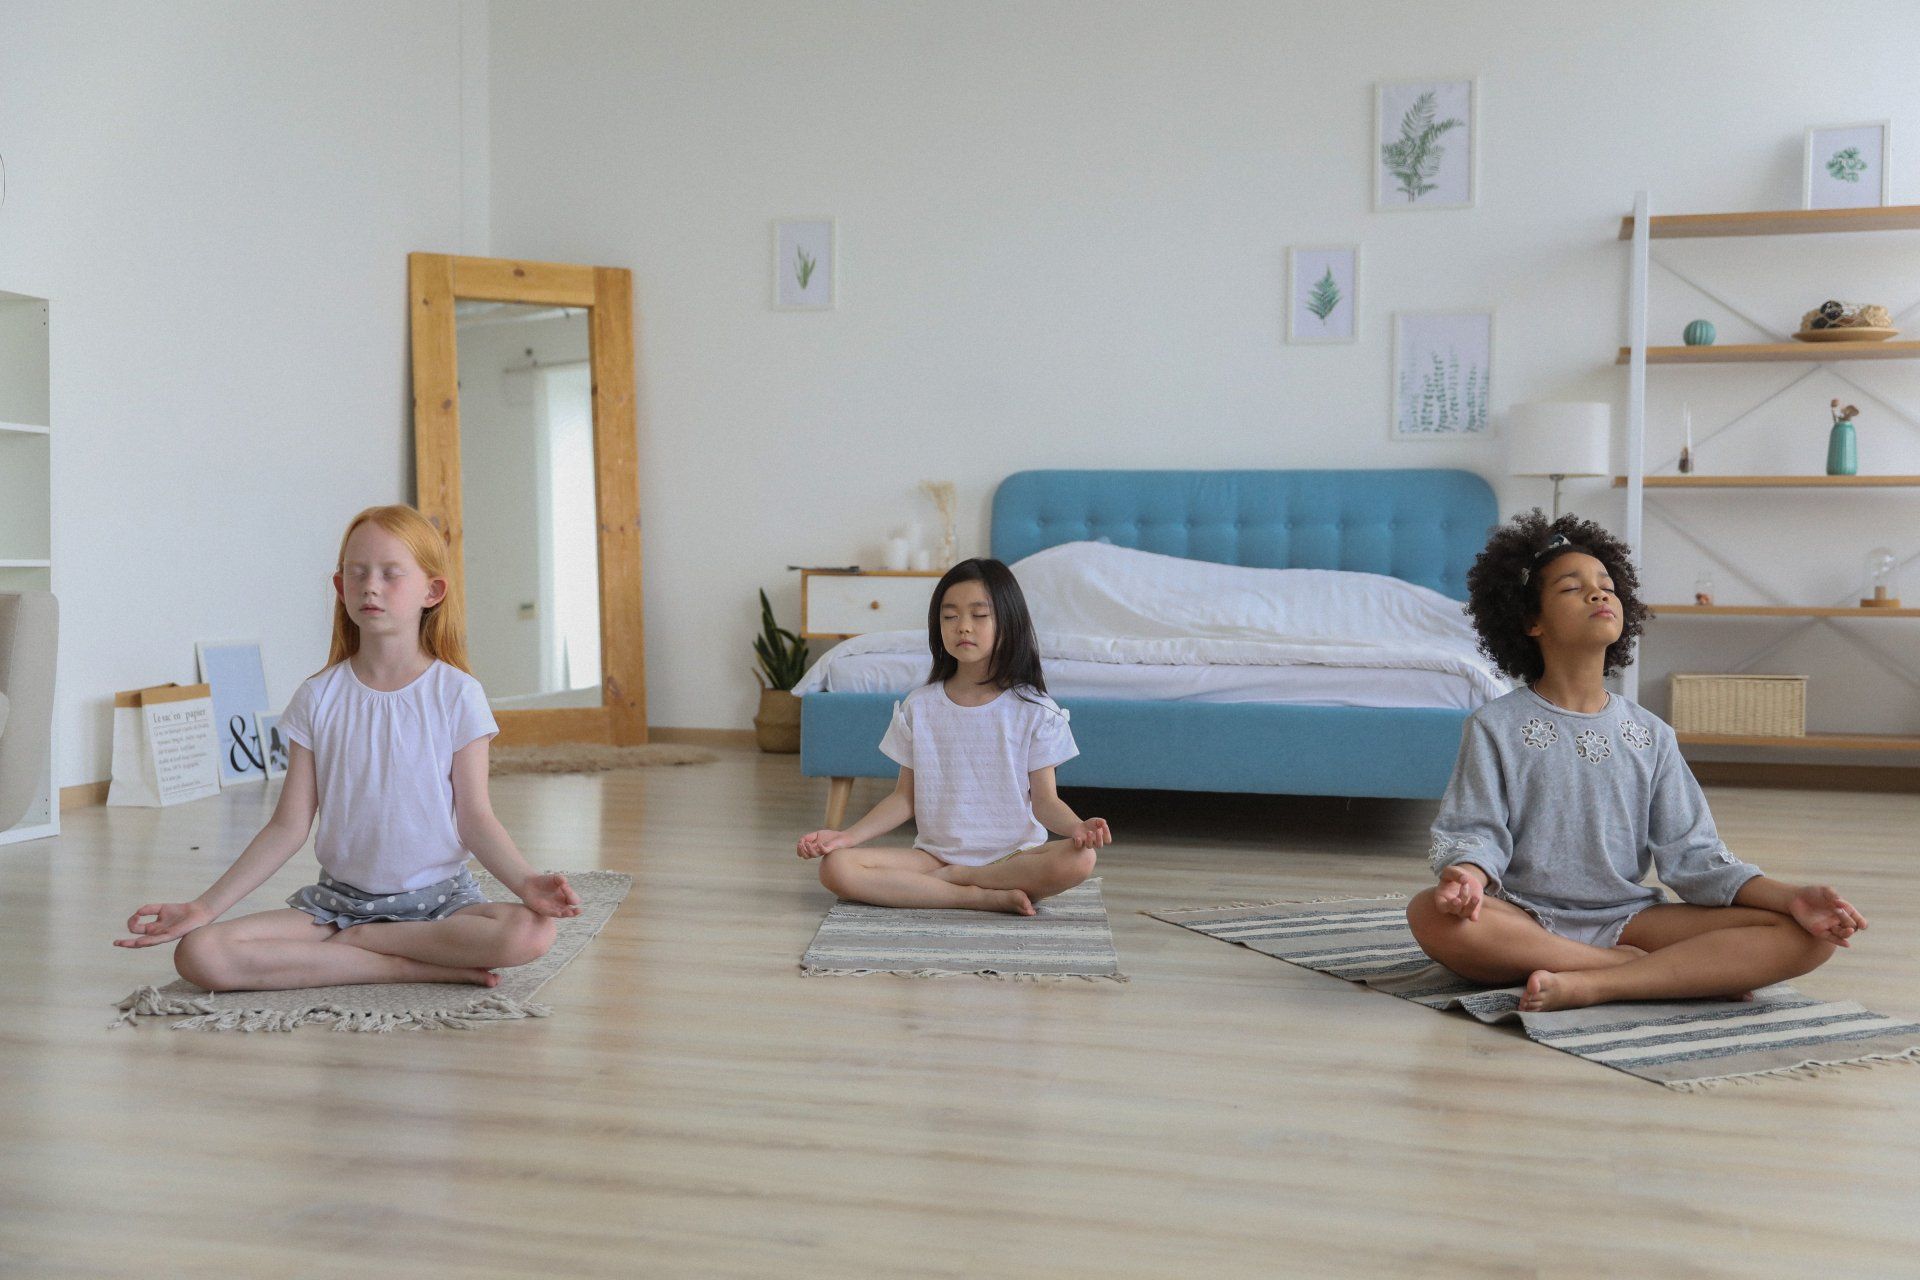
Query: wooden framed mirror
{"x":542,"y":514}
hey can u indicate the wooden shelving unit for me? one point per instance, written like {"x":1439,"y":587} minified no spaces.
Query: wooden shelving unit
{"x":1640,"y":229}
{"x":1780,"y":222}
{"x":1776,"y":353}
{"x":1780,"y":611}
{"x":1817,"y":741}
{"x":1773,"y":482}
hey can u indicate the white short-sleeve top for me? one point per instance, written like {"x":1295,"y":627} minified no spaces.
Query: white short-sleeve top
{"x":971,"y":798}
{"x":383,"y":763}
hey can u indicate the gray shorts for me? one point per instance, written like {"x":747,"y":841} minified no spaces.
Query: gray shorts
{"x":339,"y":903}
{"x":1595,"y":926}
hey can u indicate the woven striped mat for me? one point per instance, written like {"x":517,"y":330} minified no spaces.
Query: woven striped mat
{"x":1690,"y":1044}
{"x":1068,"y":937}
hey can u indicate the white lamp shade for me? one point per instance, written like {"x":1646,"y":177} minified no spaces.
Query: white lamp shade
{"x":1560,"y":439}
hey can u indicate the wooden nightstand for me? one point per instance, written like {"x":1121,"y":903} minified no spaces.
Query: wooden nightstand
{"x":836,"y":603}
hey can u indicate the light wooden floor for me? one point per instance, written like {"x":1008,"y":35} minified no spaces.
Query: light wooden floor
{"x":695,"y":1108}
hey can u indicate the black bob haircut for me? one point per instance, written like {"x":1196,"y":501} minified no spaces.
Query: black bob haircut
{"x":1503,"y":588}
{"x":1015,"y":660}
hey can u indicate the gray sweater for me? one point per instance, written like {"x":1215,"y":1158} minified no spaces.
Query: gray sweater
{"x":1566,"y":812}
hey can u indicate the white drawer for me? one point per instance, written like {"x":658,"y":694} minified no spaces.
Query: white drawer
{"x":848,"y":604}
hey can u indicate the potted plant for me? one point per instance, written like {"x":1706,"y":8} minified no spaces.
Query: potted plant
{"x":782,"y":661}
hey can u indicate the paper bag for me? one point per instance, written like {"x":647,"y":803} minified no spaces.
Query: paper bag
{"x":165,"y":750}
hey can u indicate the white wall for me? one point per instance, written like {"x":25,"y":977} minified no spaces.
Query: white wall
{"x":1063,"y":228}
{"x":219,"y":199}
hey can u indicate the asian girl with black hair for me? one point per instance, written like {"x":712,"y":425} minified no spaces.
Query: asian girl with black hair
{"x":977,"y":746}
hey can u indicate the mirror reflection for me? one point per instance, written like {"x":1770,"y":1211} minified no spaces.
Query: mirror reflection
{"x":527,"y":501}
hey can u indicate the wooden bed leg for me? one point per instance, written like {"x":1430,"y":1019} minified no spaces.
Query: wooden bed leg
{"x":839,"y":791}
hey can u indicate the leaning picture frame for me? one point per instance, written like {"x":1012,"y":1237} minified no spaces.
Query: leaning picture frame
{"x":234,"y":670}
{"x":273,"y":744}
{"x":1848,"y":166}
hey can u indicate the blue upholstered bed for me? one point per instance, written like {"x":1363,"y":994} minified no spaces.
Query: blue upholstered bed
{"x":1423,"y":526}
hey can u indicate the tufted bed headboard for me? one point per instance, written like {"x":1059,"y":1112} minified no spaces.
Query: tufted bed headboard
{"x":1423,"y":526}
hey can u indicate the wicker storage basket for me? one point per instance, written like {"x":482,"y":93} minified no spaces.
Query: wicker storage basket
{"x":1744,"y":706}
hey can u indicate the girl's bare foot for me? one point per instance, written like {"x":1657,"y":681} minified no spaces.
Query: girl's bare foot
{"x":421,"y":971}
{"x":1012,"y":901}
{"x":1547,"y":991}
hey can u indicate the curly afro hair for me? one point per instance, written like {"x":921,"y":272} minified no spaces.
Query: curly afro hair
{"x":1503,"y":589}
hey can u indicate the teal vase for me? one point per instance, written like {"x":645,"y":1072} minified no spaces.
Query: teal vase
{"x":1843,"y":454}
{"x":1700,"y":333}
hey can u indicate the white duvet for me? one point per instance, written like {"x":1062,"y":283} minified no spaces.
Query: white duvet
{"x":1094,"y":602}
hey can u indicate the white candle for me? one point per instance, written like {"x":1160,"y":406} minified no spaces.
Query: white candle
{"x":898,"y":552}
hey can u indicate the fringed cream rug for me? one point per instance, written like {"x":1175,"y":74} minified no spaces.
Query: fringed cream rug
{"x":396,"y":1006}
{"x":591,"y":757}
{"x":1683,"y":1044}
{"x":1067,"y":937}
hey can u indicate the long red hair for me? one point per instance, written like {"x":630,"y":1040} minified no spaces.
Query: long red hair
{"x":443,"y":626}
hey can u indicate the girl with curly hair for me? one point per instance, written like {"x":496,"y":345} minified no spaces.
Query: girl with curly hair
{"x":1564,"y":796}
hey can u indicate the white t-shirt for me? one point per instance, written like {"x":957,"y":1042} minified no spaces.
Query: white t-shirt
{"x":384,"y":765}
{"x":971,"y":797}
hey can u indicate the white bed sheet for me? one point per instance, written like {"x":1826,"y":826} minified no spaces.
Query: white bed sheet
{"x":1310,"y":685}
{"x":1113,"y":622}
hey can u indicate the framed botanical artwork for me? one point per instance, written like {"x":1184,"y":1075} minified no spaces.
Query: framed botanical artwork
{"x":1848,"y":166}
{"x":1323,"y":293}
{"x":1442,"y":374}
{"x":803,"y":266}
{"x":1426,"y":136}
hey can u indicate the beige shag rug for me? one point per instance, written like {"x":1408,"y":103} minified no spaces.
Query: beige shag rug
{"x":592,"y":757}
{"x":393,"y":1006}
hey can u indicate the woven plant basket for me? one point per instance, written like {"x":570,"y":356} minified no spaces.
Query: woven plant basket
{"x":777,"y":727}
{"x":1742,"y":706}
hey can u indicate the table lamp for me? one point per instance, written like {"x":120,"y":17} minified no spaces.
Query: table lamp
{"x":1558,"y":440}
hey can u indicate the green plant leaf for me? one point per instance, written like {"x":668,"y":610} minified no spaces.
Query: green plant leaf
{"x":1324,"y":297}
{"x":782,"y":655}
{"x":1415,"y":158}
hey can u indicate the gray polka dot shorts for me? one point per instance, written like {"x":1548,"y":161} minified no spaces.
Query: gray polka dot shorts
{"x":337,"y":902}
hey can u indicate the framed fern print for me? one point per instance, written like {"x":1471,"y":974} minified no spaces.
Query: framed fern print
{"x":1323,"y":293}
{"x":1426,"y":136}
{"x":1848,"y":166}
{"x":1442,"y":374}
{"x":803,"y":267}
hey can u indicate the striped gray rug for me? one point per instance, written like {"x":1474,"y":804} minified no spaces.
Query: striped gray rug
{"x":1691,"y":1044}
{"x":1067,"y":938}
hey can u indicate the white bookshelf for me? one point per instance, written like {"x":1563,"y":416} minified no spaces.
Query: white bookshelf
{"x":26,"y":491}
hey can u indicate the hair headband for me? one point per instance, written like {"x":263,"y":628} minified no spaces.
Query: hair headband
{"x":1557,"y":542}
